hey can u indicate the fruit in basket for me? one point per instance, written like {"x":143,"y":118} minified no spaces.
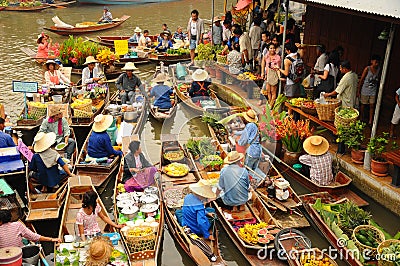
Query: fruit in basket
{"x":309,"y":104}
{"x":347,"y":113}
{"x":367,"y":237}
{"x":174,"y":155}
{"x":80,"y":102}
{"x":308,"y":259}
{"x":212,"y":160}
{"x":38,"y":104}
{"x":176,"y":169}
{"x":297,"y":101}
{"x":249,"y":232}
{"x":137,"y":231}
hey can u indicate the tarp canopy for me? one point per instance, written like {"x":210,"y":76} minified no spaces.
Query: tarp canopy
{"x":242,"y":4}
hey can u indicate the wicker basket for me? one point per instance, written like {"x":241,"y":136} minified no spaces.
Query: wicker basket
{"x":309,"y":93}
{"x":378,"y":235}
{"x":310,"y":111}
{"x":344,"y":122}
{"x":383,"y":261}
{"x":82,"y":114}
{"x":84,"y":107}
{"x":141,"y":243}
{"x":326,"y":112}
{"x":37,"y":111}
{"x":222,"y":59}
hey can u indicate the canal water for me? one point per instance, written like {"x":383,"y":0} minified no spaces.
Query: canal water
{"x":21,"y":29}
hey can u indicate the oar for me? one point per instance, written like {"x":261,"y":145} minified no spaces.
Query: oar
{"x":57,"y":6}
{"x":55,"y":194}
{"x":199,"y":257}
{"x":257,"y":174}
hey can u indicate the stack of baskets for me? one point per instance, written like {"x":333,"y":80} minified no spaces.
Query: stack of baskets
{"x":37,"y":111}
{"x":83,"y":110}
{"x":384,"y":258}
{"x":222,"y":59}
{"x":344,"y":122}
{"x":326,"y":112}
{"x":143,"y":242}
{"x":379,"y":237}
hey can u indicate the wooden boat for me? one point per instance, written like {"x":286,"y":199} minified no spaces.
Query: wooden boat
{"x":120,"y":2}
{"x":11,"y":201}
{"x":26,"y":8}
{"x":62,"y":4}
{"x":83,"y":30}
{"x":167,"y":58}
{"x":292,"y":243}
{"x":172,"y":185}
{"x":109,"y":40}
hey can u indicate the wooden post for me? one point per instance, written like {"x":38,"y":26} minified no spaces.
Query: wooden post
{"x":283,"y":39}
{"x":225,"y":4}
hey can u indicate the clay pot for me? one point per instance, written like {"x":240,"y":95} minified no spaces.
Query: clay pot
{"x":379,"y":168}
{"x":291,"y":158}
{"x":357,"y":156}
{"x":274,"y":147}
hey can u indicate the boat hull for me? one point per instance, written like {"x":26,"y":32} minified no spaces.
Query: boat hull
{"x":121,"y":2}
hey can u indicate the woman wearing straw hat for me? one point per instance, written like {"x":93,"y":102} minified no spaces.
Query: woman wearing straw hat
{"x":161,"y":92}
{"x":99,"y":145}
{"x":234,"y":182}
{"x":200,"y":87}
{"x":107,"y":16}
{"x":45,"y":162}
{"x":127,"y":83}
{"x":165,"y":42}
{"x":52,"y":75}
{"x":136,"y":36}
{"x":44,"y":45}
{"x":91,"y":73}
{"x":57,"y":124}
{"x":99,"y":252}
{"x":318,"y":159}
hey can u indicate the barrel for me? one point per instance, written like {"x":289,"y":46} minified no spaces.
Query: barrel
{"x":11,"y":256}
{"x":30,"y":254}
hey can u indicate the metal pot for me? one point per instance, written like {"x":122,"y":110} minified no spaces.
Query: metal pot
{"x":130,"y":116}
{"x":149,"y":198}
{"x":151,"y":190}
{"x":130,"y":211}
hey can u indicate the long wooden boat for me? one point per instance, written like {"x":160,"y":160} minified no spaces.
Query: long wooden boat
{"x":83,"y":30}
{"x":109,"y":40}
{"x":62,"y":4}
{"x":173,"y":185}
{"x":120,"y":2}
{"x":26,"y":8}
{"x":168,"y":59}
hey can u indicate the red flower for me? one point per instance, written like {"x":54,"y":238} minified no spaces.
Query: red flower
{"x":74,"y":60}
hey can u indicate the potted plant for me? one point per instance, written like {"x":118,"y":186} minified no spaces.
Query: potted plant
{"x":376,"y":147}
{"x":204,"y":54}
{"x":352,"y":136}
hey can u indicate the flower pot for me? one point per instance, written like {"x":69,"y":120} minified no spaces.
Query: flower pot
{"x":379,"y":168}
{"x":357,"y":156}
{"x":291,"y":158}
{"x":274,"y":147}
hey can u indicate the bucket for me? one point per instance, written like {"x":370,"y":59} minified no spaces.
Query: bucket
{"x":11,"y":256}
{"x":297,"y":167}
{"x":30,"y":254}
{"x":112,"y":133}
{"x":57,"y":98}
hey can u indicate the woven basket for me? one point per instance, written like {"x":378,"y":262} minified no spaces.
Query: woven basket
{"x":309,"y":93}
{"x":344,"y":122}
{"x":84,"y":107}
{"x":38,"y":111}
{"x":378,"y":236}
{"x":82,"y":114}
{"x":311,"y":111}
{"x":141,"y":243}
{"x":222,"y":59}
{"x":326,"y":112}
{"x":384,"y":261}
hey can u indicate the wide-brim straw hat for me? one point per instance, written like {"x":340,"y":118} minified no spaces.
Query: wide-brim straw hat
{"x":250,"y":116}
{"x":233,"y":157}
{"x":217,"y":18}
{"x":54,"y":110}
{"x":43,"y":141}
{"x":161,"y":77}
{"x":99,"y":251}
{"x":129,"y":66}
{"x":89,"y":60}
{"x":200,"y":75}
{"x":316,"y":145}
{"x":202,"y":189}
{"x":102,"y":122}
{"x":48,"y":62}
{"x":137,"y":29}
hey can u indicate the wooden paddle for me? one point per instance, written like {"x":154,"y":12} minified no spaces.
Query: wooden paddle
{"x":199,"y":257}
{"x":55,"y":194}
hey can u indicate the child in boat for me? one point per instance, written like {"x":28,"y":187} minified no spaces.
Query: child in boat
{"x":44,"y":45}
{"x":86,"y":219}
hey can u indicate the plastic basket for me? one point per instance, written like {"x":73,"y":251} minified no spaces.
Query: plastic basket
{"x":344,"y":122}
{"x":84,"y":107}
{"x":378,"y":236}
{"x":82,"y":114}
{"x":222,"y":59}
{"x":141,"y":243}
{"x":326,"y":112}
{"x":311,"y":111}
{"x":385,"y":260}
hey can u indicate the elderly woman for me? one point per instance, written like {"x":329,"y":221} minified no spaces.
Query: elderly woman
{"x":179,"y":34}
{"x":44,"y":44}
{"x":52,"y":75}
{"x":161,"y":92}
{"x":138,"y":172}
{"x":11,"y":233}
{"x":165,"y":43}
{"x":45,"y":162}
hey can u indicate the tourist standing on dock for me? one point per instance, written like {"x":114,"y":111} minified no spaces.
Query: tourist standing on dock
{"x":234,"y":60}
{"x":127,"y":83}
{"x":271,"y":61}
{"x":195,"y":30}
{"x":319,"y":64}
{"x":217,"y":32}
{"x":106,"y":17}
{"x":292,"y":66}
{"x":245,"y":47}
{"x":92,"y":73}
{"x":226,"y":33}
{"x":5,"y":139}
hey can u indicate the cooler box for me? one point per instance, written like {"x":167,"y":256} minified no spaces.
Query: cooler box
{"x":9,"y":154}
{"x":11,"y":166}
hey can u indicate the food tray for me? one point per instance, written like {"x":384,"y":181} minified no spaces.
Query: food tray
{"x":30,"y":122}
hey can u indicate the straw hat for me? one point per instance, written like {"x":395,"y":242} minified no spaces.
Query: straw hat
{"x":250,"y":116}
{"x":202,"y":189}
{"x":43,"y":141}
{"x":99,"y":252}
{"x":102,"y":122}
{"x":233,"y":157}
{"x":89,"y":60}
{"x":137,"y":29}
{"x":316,"y":145}
{"x":200,"y":75}
{"x":161,"y":77}
{"x":217,"y":18}
{"x":48,"y":62}
{"x":54,"y":110}
{"x":129,"y":66}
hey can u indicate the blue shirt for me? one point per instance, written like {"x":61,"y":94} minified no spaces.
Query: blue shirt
{"x":6,"y":140}
{"x":231,"y":41}
{"x":234,"y":181}
{"x":162,"y":93}
{"x":47,"y":176}
{"x":99,"y":145}
{"x":250,"y":135}
{"x":194,"y":216}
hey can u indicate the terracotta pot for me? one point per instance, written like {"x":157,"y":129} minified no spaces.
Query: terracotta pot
{"x":379,"y":168}
{"x":357,"y":156}
{"x":274,"y":147}
{"x":291,"y":158}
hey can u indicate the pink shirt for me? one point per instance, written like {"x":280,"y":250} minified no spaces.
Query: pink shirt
{"x":275,"y":61}
{"x":89,"y":222}
{"x":43,"y":50}
{"x":11,"y":235}
{"x":138,"y":162}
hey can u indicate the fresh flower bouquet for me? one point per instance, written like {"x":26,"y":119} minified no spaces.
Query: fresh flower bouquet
{"x":270,"y":119}
{"x":75,"y":50}
{"x":105,"y":56}
{"x":293,"y":133}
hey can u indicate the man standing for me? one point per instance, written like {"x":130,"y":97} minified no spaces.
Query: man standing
{"x":226,"y":33}
{"x":127,"y":83}
{"x":195,"y":30}
{"x":217,"y":32}
{"x":5,"y":139}
{"x":347,"y":88}
{"x":320,"y":64}
{"x":245,"y":47}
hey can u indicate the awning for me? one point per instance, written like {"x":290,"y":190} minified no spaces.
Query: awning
{"x":242,"y":4}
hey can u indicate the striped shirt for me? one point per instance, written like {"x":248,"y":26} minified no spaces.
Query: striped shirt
{"x":320,"y":168}
{"x":11,"y":235}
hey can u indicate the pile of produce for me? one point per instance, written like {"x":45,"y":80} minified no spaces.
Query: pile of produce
{"x":201,"y":147}
{"x":176,"y":169}
{"x":139,"y":231}
{"x":309,"y":104}
{"x":67,"y":257}
{"x":255,"y":234}
{"x":180,"y":51}
{"x":74,"y":51}
{"x":347,"y":112}
{"x":105,"y":56}
{"x":247,"y":76}
{"x":367,"y":237}
{"x":204,"y":52}
{"x":211,"y":161}
{"x":391,"y":253}
{"x":79,"y":102}
{"x":219,"y":128}
{"x":309,"y":259}
{"x":297,"y":101}
{"x":86,"y":24}
{"x":174,"y":155}
{"x":183,"y":87}
{"x":212,"y":175}
{"x":38,"y":104}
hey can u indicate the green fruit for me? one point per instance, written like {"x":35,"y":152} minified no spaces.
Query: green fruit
{"x":368,"y":244}
{"x":362,"y":239}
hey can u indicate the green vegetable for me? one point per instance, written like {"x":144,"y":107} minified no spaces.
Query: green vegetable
{"x":346,"y":112}
{"x":362,"y":239}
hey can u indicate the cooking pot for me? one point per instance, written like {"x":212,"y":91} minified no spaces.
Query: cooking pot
{"x":11,"y":256}
{"x":130,"y":116}
{"x":151,"y":190}
{"x":149,"y":198}
{"x":125,"y":203}
{"x":130,"y":211}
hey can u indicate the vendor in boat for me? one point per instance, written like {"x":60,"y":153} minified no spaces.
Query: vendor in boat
{"x":106,"y":17}
{"x":194,"y":214}
{"x":234,"y":182}
{"x":179,"y":34}
{"x":127,"y":83}
{"x":52,"y":75}
{"x":58,"y":124}
{"x":91,"y":73}
{"x":136,"y":36}
{"x":200,"y":87}
{"x":86,"y":218}
{"x":44,"y":45}
{"x":165,"y":43}
{"x":99,"y":144}
{"x":5,"y":139}
{"x":318,"y":159}
{"x":138,"y":172}
{"x":45,"y":162}
{"x":11,"y":233}
{"x":161,"y":92}
{"x":145,"y":40}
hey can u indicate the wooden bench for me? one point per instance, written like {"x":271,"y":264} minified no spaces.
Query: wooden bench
{"x":394,"y":158}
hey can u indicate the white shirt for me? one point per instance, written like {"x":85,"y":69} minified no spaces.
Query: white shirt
{"x":97,"y":72}
{"x":193,"y":30}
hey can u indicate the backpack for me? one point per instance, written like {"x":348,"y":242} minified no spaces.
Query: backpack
{"x":296,"y":71}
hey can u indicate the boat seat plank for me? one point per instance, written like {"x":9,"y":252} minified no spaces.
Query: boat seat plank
{"x":238,"y":216}
{"x":40,"y":214}
{"x":189,"y":178}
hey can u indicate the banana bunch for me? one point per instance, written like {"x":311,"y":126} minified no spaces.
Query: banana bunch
{"x":137,"y":231}
{"x":121,"y":188}
{"x":79,"y":102}
{"x":249,"y":232}
{"x":247,"y":76}
{"x":38,"y":104}
{"x":176,"y":169}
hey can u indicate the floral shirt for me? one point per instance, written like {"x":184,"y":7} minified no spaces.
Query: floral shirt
{"x":234,"y":59}
{"x":89,"y":222}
